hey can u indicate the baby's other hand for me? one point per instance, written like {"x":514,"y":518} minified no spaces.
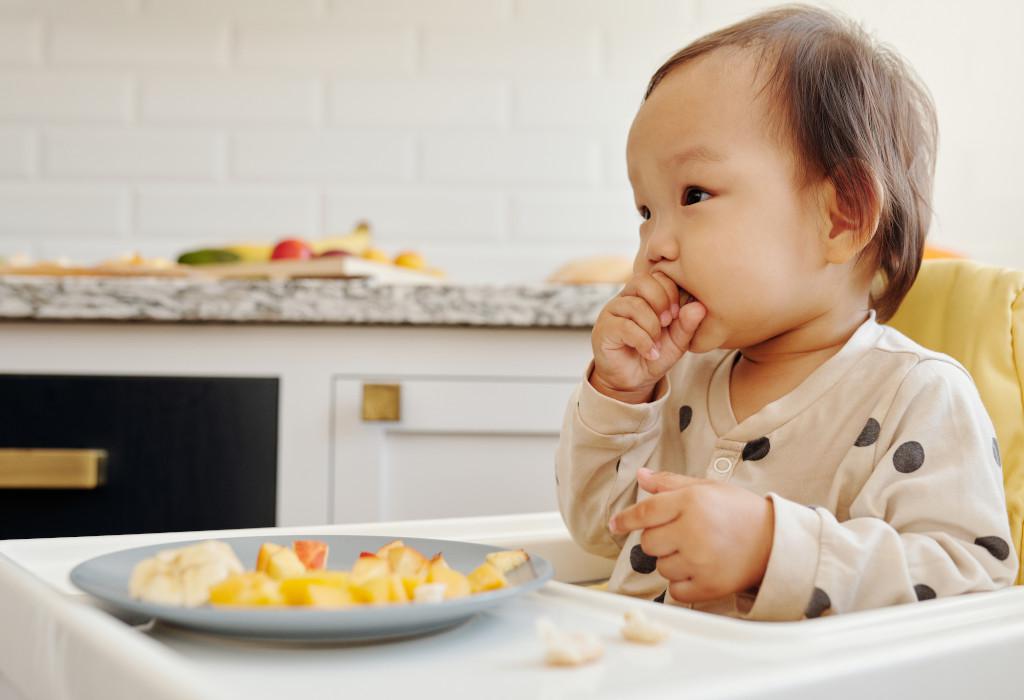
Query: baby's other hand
{"x":710,"y":538}
{"x":640,"y":335}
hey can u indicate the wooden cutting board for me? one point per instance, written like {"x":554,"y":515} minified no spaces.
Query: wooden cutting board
{"x":346,"y":267}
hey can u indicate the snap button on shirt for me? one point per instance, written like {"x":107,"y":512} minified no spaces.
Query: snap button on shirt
{"x":723,"y":465}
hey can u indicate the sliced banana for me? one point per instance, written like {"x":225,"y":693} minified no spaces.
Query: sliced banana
{"x":183,"y":576}
{"x":568,"y":648}
{"x":639,"y":629}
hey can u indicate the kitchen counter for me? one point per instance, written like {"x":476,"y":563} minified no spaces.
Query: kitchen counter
{"x":305,"y":301}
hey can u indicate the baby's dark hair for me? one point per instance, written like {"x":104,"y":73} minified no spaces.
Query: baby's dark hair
{"x":857,"y":114}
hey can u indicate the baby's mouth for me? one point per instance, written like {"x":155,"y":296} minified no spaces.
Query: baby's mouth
{"x":685,"y":297}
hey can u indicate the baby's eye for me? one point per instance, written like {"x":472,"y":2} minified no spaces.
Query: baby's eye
{"x":694,"y":195}
{"x":645,"y":213}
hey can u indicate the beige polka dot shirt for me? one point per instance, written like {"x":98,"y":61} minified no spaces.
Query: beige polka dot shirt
{"x":882,"y":466}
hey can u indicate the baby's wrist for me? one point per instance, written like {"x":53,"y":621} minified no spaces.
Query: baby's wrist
{"x":638,"y":395}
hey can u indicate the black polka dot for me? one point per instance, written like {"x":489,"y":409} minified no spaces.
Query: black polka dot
{"x":661,"y":598}
{"x":908,"y":457}
{"x":820,"y":602}
{"x":617,"y":463}
{"x":756,"y":449}
{"x":685,"y":416}
{"x":869,"y":434}
{"x":995,"y":451}
{"x":924,"y":592}
{"x":641,"y":561}
{"x":996,"y":546}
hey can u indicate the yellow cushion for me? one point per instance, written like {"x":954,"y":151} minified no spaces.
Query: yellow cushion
{"x":975,"y":314}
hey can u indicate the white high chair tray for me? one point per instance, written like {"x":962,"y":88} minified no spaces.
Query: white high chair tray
{"x":56,"y":643}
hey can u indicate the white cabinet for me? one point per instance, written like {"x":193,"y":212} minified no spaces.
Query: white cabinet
{"x":462,"y":446}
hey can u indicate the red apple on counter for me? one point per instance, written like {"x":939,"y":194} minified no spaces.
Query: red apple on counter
{"x":292,"y":249}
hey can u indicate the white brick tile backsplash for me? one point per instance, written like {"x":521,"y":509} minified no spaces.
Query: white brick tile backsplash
{"x":64,"y":97}
{"x":515,"y":50}
{"x":586,"y":217}
{"x":62,"y":210}
{"x":16,"y":152}
{"x":576,"y":103}
{"x":335,"y":47}
{"x":417,"y":103}
{"x":418,"y":214}
{"x":227,"y":214}
{"x":142,"y":153}
{"x":20,"y":41}
{"x":489,"y":134}
{"x":432,"y":12}
{"x":230,"y":100}
{"x":139,"y":42}
{"x":494,"y":157}
{"x":358,"y":157}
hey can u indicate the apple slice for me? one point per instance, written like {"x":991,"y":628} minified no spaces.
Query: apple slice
{"x":312,"y":553}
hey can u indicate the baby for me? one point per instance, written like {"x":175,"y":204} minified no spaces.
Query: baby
{"x":749,"y":440}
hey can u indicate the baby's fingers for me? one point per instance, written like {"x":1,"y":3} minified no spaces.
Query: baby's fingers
{"x":650,"y":512}
{"x":626,"y":332}
{"x":683,"y":328}
{"x":637,"y":310}
{"x":654,"y":293}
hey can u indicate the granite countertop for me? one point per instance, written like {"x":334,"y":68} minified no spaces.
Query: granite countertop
{"x":305,"y":301}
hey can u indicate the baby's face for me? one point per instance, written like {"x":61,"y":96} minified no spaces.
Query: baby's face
{"x":723,"y":213}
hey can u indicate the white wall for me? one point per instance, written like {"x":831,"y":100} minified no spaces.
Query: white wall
{"x":487,"y":133}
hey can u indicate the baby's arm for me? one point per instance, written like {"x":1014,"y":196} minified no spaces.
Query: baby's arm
{"x":930,"y":521}
{"x":602,"y":444}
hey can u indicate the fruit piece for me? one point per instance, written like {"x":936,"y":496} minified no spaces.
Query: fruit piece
{"x":376,"y":255}
{"x":430,"y":593}
{"x":251,"y":252}
{"x":355,"y":242}
{"x":393,"y":544}
{"x":298,"y":590}
{"x":440,"y":572}
{"x":183,"y":576}
{"x":284,"y":564}
{"x":208,"y":256}
{"x":486,"y":577}
{"x":267,"y":550}
{"x":507,"y":560}
{"x":372,"y":590}
{"x":369,"y":566}
{"x":292,"y":249}
{"x":251,"y":588}
{"x":397,"y":592}
{"x":329,"y":597}
{"x":413,"y":582}
{"x":411,"y":260}
{"x":639,"y":629}
{"x":405,"y":561}
{"x":333,"y":253}
{"x":312,"y":553}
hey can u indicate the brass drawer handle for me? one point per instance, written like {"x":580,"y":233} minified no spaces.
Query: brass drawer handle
{"x":52,"y":468}
{"x":382,"y":402}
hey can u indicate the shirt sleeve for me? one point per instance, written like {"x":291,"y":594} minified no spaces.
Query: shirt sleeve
{"x":602,"y":444}
{"x":929,"y":521}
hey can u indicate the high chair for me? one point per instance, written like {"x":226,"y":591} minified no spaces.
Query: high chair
{"x":975,"y":314}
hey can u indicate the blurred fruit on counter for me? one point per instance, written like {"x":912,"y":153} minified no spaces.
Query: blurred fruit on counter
{"x":208,"y":256}
{"x":597,"y":269}
{"x":410,"y":259}
{"x":376,"y":255}
{"x":292,"y":249}
{"x":356,"y":242}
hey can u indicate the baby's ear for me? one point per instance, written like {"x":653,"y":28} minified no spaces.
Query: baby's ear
{"x":852,"y":202}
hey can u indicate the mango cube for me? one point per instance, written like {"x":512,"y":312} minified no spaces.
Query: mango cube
{"x":486,"y":577}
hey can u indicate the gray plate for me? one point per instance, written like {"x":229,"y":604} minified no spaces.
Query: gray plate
{"x":106,"y":577}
